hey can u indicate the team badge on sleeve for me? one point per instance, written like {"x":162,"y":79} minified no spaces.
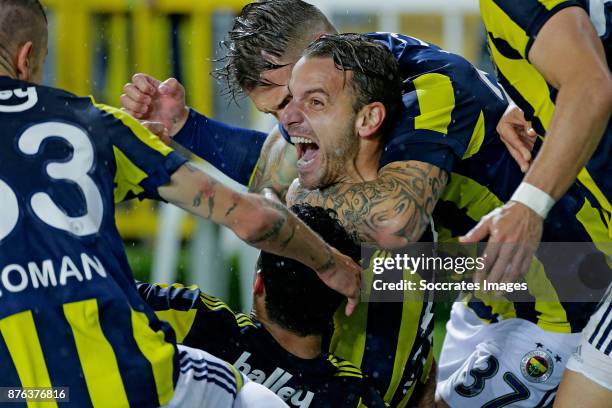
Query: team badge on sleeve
{"x":537,"y":366}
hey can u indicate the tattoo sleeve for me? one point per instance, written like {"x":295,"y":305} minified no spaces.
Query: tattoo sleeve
{"x":276,"y":168}
{"x":392,"y":210}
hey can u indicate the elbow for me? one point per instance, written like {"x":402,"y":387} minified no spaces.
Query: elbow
{"x":598,"y":90}
{"x":261,"y":223}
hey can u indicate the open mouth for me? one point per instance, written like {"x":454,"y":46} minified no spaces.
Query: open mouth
{"x":307,"y":150}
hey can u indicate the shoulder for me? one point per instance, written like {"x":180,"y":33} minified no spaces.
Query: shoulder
{"x":344,"y":368}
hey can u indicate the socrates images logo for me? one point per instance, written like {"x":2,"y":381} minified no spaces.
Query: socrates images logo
{"x":537,"y":366}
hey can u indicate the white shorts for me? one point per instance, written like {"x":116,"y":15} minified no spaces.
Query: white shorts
{"x":511,"y":363}
{"x":593,"y":357}
{"x":206,"y":381}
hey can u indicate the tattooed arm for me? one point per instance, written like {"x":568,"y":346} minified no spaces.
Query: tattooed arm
{"x":276,"y":168}
{"x":263,"y":224}
{"x":392,"y":210}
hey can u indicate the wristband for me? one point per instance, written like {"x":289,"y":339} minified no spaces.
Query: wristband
{"x":534,"y":198}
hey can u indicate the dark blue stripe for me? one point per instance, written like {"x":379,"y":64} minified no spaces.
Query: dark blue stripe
{"x":136,"y":370}
{"x":381,"y":344}
{"x":223,"y":375}
{"x":214,"y":381}
{"x":61,"y":355}
{"x":600,"y":324}
{"x":605,"y":336}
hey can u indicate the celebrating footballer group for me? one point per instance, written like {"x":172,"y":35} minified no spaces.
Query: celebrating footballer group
{"x":382,"y":141}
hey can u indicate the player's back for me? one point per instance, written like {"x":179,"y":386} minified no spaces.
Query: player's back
{"x":69,"y":312}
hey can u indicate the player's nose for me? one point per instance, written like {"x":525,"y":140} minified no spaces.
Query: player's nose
{"x":290,"y":114}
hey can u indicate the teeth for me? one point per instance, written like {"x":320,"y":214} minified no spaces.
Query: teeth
{"x":296,"y":140}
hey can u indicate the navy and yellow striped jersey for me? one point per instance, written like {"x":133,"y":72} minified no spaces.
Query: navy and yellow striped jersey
{"x":452,"y":110}
{"x":70,"y":314}
{"x":205,"y":322}
{"x":512,"y":27}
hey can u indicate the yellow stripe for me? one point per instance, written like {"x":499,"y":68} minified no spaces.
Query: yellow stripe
{"x":436,"y":102}
{"x":600,"y":233}
{"x":180,"y":320}
{"x":238,"y":377}
{"x":411,"y":311}
{"x":498,"y":23}
{"x":523,"y":77}
{"x":477,"y":138}
{"x":127,"y":178}
{"x":348,"y":340}
{"x":21,"y":338}
{"x":586,"y":179}
{"x":471,"y":195}
{"x":253,"y":173}
{"x":137,"y":129}
{"x":550,"y":4}
{"x":159,"y":353}
{"x":98,"y":359}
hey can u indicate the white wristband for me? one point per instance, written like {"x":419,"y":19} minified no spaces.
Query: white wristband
{"x":534,"y":198}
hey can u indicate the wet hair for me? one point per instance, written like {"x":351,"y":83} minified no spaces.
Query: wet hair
{"x":22,"y":21}
{"x":296,"y":298}
{"x":375,"y":70}
{"x":275,"y":27}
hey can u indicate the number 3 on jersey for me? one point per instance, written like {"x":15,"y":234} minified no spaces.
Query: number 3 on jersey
{"x":76,"y":170}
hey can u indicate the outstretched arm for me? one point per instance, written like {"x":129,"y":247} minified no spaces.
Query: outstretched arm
{"x":263,"y":224}
{"x":392,"y":210}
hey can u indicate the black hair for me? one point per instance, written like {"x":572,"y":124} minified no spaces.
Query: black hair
{"x":270,"y":26}
{"x":22,"y":21}
{"x":296,"y":298}
{"x":375,"y":70}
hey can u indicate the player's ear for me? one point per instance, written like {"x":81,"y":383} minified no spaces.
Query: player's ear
{"x":24,"y":62}
{"x":370,"y":119}
{"x":258,"y":285}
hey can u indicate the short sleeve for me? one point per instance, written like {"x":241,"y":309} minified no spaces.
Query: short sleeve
{"x":514,"y":25}
{"x":143,"y":162}
{"x":449,"y":106}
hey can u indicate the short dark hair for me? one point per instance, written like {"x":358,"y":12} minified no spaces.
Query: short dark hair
{"x":375,"y":70}
{"x":296,"y":298}
{"x":18,"y":25}
{"x":271,"y":26}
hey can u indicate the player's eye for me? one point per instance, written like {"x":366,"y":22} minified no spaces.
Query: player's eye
{"x":316,"y":103}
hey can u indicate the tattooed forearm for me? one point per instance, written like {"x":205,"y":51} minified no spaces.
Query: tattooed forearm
{"x":286,"y":241}
{"x":231,"y":209}
{"x":393,"y":208}
{"x":272,"y":233}
{"x":330,"y":263}
{"x":197,"y":200}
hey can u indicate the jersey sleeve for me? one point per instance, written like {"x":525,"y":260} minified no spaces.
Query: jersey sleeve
{"x":194,"y":315}
{"x":143,"y":162}
{"x":449,"y":105}
{"x":513,"y":25}
{"x":232,"y":150}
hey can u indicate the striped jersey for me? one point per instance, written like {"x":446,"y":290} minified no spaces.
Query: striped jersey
{"x":205,"y":322}
{"x":70,"y":315}
{"x":512,"y":27}
{"x":599,"y":331}
{"x":451,"y":112}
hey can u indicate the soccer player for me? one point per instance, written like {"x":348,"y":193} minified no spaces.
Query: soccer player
{"x":283,"y":343}
{"x":550,"y":59}
{"x":452,"y":111}
{"x":70,"y":314}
